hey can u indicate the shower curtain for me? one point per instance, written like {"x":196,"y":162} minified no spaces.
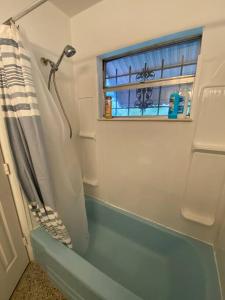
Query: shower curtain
{"x":46,"y":164}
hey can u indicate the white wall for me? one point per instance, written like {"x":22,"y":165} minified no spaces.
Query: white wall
{"x":111,"y":25}
{"x":46,"y":26}
{"x":142,"y":166}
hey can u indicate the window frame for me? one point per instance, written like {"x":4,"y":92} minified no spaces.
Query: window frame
{"x":170,"y":81}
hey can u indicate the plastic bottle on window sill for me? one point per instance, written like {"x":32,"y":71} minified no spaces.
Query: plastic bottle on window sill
{"x":108,"y":107}
{"x":186,"y":93}
{"x":180,"y":113}
{"x":174,"y":105}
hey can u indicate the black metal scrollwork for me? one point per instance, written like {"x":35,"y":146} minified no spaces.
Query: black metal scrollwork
{"x":143,"y":98}
{"x":144,"y":95}
{"x":145,"y":74}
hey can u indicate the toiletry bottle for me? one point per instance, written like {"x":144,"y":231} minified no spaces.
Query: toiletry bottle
{"x":186,"y":93}
{"x":108,"y":107}
{"x":173,"y":105}
{"x":181,"y":106}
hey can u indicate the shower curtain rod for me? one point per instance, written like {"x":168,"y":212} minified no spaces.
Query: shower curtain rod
{"x":26,"y":11}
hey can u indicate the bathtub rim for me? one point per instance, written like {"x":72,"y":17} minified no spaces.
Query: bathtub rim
{"x":92,"y":278}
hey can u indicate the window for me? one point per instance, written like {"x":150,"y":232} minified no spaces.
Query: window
{"x":141,"y":83}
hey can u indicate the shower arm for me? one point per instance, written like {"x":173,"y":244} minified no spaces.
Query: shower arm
{"x":58,"y":62}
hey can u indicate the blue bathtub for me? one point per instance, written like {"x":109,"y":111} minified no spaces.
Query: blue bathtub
{"x":129,"y":259}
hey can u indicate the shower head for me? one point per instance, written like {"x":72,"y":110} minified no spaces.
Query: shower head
{"x":68,"y":51}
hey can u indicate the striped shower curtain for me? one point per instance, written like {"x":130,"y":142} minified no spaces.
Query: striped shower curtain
{"x":22,"y":118}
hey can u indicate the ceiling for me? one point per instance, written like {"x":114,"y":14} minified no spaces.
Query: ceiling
{"x":73,"y":7}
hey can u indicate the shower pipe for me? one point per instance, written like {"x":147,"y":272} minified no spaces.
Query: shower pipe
{"x":24,"y":12}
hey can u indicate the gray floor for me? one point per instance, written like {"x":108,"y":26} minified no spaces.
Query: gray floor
{"x":35,"y":285}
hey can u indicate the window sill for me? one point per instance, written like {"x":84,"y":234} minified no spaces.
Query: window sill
{"x":154,"y":119}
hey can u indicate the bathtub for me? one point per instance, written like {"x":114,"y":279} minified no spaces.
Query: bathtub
{"x":129,"y":259}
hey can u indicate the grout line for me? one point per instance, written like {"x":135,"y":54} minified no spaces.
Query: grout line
{"x":218,"y":272}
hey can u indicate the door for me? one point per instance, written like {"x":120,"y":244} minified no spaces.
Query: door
{"x":13,"y":254}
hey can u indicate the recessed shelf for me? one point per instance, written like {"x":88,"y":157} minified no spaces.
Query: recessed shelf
{"x":90,"y":182}
{"x":86,"y":135}
{"x":191,"y":216}
{"x":217,"y":149}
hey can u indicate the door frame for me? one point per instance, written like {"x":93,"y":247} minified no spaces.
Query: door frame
{"x":19,"y":201}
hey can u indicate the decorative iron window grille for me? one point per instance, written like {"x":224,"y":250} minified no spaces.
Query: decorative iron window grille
{"x":141,"y":83}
